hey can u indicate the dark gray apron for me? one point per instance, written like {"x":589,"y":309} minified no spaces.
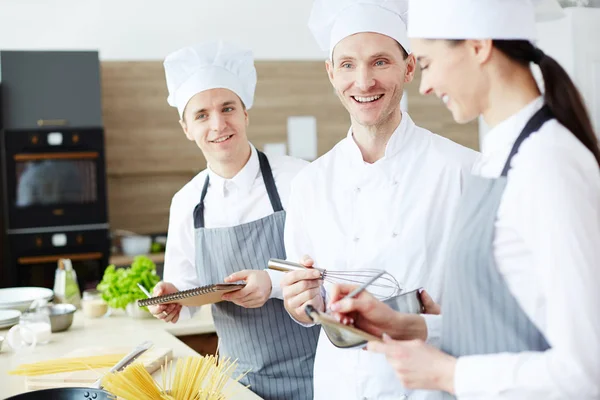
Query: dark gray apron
{"x":480,"y":315}
{"x":279,"y":352}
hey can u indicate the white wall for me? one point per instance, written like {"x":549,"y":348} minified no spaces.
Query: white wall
{"x":150,"y":29}
{"x":572,"y":42}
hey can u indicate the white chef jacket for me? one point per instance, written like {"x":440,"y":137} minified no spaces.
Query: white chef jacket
{"x":394,"y":214}
{"x":547,"y":248}
{"x":228,"y":202}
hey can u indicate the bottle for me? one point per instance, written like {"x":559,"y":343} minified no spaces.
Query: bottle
{"x":66,"y":288}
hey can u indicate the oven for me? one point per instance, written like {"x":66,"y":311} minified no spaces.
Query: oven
{"x":54,"y":178}
{"x":35,"y":255}
{"x":53,"y":196}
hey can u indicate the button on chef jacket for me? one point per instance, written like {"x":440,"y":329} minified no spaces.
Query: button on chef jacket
{"x":228,"y":202}
{"x":394,"y":214}
{"x":547,"y":248}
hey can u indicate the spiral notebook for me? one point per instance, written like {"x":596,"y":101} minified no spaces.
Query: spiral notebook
{"x":196,"y":297}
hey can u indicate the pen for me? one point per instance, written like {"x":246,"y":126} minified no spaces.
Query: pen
{"x":143,"y":289}
{"x":362,"y":287}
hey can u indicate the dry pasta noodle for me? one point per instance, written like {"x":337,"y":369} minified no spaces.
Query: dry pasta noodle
{"x":58,"y":365}
{"x":192,"y":378}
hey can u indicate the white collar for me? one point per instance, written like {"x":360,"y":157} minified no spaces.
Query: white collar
{"x":397,"y":142}
{"x":243,"y":180}
{"x":498,"y":142}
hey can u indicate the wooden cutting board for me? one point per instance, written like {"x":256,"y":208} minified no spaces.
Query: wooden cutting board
{"x":152,"y":359}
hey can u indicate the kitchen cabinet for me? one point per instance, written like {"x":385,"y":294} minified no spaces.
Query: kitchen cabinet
{"x":50,"y":89}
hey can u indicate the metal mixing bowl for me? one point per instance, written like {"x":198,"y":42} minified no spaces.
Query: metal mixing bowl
{"x":61,"y":316}
{"x":408,"y":303}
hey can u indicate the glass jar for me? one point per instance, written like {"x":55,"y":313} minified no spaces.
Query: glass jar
{"x":34,"y":327}
{"x":92,"y":304}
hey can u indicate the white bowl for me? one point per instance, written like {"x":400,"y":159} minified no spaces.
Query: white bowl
{"x":134,"y":311}
{"x":136,"y":245}
{"x":20,"y":298}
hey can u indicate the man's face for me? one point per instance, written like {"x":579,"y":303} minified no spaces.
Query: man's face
{"x":216,"y":120}
{"x":368,"y":72}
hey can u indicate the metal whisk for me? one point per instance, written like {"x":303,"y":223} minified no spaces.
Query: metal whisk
{"x":383,"y":288}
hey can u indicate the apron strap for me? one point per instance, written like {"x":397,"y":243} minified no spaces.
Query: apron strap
{"x":534,"y":125}
{"x":199,"y":210}
{"x":267,"y":174}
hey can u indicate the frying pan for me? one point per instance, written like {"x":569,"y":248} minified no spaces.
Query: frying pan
{"x":70,"y":393}
{"x":79,"y":393}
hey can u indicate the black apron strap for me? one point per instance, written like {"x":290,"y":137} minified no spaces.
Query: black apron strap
{"x":267,"y":174}
{"x":199,"y":210}
{"x":534,"y":125}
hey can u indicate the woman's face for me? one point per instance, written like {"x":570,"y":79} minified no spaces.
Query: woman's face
{"x":453,"y":72}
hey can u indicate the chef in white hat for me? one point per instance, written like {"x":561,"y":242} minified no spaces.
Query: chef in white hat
{"x":383,"y":197}
{"x":229,"y":219}
{"x":520,"y":310}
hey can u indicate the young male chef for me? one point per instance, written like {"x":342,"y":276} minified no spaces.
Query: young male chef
{"x":384,"y":197}
{"x":229,"y":220}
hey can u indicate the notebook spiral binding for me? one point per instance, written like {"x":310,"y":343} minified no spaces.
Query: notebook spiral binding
{"x":176,"y":296}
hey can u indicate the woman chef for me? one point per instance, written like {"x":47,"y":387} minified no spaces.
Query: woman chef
{"x":520,"y":311}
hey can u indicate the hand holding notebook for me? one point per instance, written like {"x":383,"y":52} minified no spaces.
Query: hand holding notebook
{"x":196,"y":297}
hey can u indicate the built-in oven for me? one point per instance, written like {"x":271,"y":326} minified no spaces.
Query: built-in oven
{"x":35,"y":255}
{"x":54,"y":178}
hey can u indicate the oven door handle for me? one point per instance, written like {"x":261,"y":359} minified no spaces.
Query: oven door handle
{"x":55,"y":258}
{"x":82,"y":155}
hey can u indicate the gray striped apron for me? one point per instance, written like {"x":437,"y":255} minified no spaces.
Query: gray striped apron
{"x":279,"y":352}
{"x":480,"y":315}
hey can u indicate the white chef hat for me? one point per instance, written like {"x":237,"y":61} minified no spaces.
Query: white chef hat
{"x":332,"y":20}
{"x":209,"y":65}
{"x":479,"y":19}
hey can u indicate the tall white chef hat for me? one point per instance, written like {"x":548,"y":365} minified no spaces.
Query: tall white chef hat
{"x":479,"y":19}
{"x":333,"y":20}
{"x":209,"y":65}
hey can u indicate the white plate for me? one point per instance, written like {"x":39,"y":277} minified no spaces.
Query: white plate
{"x":8,"y":324}
{"x":9,"y":315}
{"x":20,"y":298}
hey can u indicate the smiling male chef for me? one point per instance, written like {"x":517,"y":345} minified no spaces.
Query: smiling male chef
{"x":229,"y":220}
{"x":384,"y":197}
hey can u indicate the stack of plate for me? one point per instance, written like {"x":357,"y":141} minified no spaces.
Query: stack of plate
{"x":20,"y":298}
{"x":9,"y":318}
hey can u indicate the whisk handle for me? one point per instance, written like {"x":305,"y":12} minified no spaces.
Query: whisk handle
{"x":286,"y":266}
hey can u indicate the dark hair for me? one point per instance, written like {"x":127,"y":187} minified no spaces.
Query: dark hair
{"x":561,"y":95}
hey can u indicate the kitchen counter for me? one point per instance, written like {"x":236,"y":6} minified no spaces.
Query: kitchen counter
{"x":116,"y":329}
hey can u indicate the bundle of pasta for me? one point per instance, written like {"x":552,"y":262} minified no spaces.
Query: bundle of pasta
{"x":193,"y":378}
{"x":58,"y":365}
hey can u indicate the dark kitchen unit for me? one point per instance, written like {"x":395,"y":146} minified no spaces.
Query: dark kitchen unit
{"x":53,"y":199}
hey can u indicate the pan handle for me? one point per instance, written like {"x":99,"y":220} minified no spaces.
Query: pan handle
{"x":125,"y":361}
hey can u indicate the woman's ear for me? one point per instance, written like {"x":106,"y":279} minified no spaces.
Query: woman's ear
{"x":480,"y":49}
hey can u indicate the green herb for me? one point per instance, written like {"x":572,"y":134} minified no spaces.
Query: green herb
{"x":119,"y":285}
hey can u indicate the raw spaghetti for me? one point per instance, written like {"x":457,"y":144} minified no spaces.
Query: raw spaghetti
{"x":192,"y":378}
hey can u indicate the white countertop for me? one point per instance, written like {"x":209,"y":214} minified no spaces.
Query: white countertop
{"x":117,"y":328}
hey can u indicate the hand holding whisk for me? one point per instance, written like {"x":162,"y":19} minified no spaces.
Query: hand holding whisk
{"x":383,"y":287}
